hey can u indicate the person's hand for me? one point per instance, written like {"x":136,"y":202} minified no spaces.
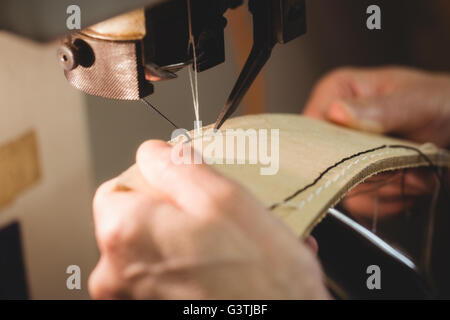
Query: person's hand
{"x":402,"y":102}
{"x":195,"y":235}
{"x":398,"y":101}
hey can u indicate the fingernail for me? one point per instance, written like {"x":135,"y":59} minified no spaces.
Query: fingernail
{"x":363,"y":118}
{"x":340,"y":112}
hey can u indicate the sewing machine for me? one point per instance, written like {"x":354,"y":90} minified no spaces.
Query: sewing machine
{"x":123,"y":47}
{"x":120,"y":57}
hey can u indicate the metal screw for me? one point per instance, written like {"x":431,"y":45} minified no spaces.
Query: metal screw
{"x":67,"y":56}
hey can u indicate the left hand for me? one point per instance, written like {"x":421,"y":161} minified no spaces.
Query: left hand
{"x":195,"y":235}
{"x":405,"y":102}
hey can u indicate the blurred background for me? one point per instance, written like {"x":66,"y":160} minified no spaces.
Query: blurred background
{"x":84,"y":140}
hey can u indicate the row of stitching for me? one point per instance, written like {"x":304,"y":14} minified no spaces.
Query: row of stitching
{"x":338,"y":176}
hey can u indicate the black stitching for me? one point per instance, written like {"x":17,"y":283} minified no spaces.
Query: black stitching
{"x":395,"y":146}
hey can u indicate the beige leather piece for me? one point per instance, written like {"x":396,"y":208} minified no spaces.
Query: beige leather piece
{"x":19,"y":166}
{"x":307,"y":147}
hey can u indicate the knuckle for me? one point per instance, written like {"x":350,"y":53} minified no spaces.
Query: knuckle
{"x":100,"y":288}
{"x":118,"y":237}
{"x":339,"y":73}
{"x":96,"y":289}
{"x":330,"y":81}
{"x":129,"y":236}
{"x":101,"y":195}
{"x":110,"y":240}
{"x":122,"y":231}
{"x":101,"y":291}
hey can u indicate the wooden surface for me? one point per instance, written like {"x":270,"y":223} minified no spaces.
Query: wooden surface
{"x":307,"y":147}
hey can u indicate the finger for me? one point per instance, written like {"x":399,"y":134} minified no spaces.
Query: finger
{"x":191,"y":186}
{"x":104,"y":282}
{"x":117,"y":214}
{"x":328,"y":89}
{"x":343,"y":83}
{"x":390,"y":198}
{"x":368,"y":205}
{"x":381,"y":114}
{"x":109,"y":205}
{"x":312,"y":244}
{"x":110,"y":198}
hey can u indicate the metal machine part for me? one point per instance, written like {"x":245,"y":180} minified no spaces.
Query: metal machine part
{"x":120,"y":58}
{"x":373,"y":239}
{"x":274,"y":21}
{"x":127,"y":53}
{"x":45,"y":20}
{"x":116,"y":73}
{"x":346,"y":249}
{"x":105,"y":59}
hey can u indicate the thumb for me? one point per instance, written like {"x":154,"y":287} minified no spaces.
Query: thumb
{"x":379,"y":114}
{"x":190,"y":186}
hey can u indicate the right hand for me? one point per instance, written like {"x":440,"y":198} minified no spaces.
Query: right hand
{"x":194,"y":234}
{"x":404,"y":102}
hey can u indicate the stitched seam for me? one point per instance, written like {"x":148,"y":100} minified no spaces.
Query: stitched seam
{"x":316,"y":192}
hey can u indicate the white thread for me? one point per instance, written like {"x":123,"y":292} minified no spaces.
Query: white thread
{"x":193,"y":79}
{"x":295,"y":206}
{"x":291,"y":205}
{"x":319,"y":191}
{"x":328,"y":183}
